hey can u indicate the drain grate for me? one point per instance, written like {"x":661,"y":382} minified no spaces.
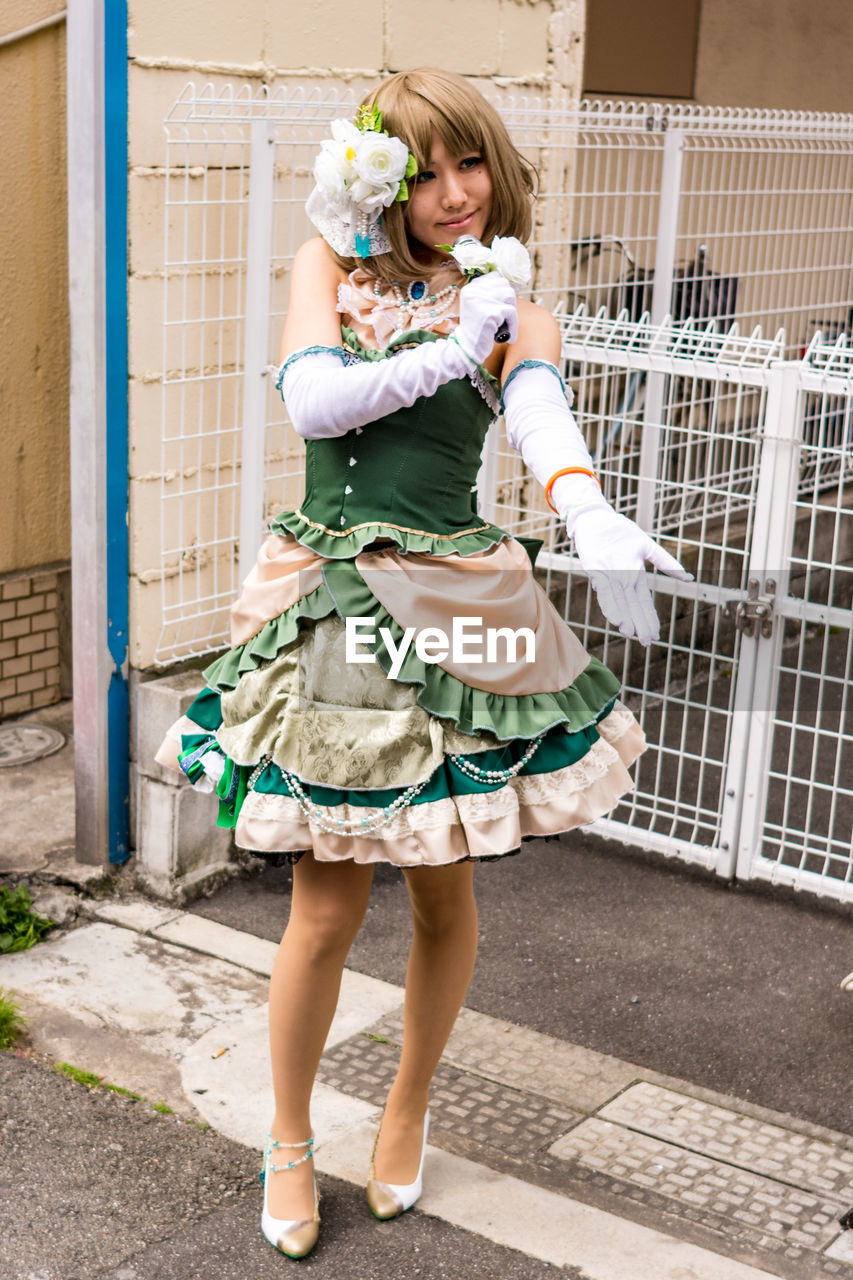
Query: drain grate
{"x":24,"y":743}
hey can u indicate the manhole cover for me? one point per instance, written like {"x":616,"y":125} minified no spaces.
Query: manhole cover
{"x":23,"y":743}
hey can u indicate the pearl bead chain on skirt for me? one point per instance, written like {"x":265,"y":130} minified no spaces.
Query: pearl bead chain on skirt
{"x":321,"y":817}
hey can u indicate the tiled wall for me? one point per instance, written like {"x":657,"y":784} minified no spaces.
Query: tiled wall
{"x":31,"y":626}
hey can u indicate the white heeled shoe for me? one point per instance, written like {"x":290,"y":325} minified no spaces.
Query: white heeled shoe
{"x":293,"y":1237}
{"x":389,"y":1199}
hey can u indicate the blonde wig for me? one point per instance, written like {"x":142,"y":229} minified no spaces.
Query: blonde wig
{"x":413,"y":104}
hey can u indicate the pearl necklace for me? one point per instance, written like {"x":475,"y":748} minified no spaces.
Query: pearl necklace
{"x":418,"y":308}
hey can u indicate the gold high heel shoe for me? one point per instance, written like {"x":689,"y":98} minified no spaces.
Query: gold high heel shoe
{"x":293,"y":1237}
{"x":389,"y":1199}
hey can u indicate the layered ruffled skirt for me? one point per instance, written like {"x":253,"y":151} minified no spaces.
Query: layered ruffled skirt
{"x":352,"y":741}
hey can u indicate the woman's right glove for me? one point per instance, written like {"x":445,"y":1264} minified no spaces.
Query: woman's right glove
{"x":485,"y":305}
{"x":325,"y":398}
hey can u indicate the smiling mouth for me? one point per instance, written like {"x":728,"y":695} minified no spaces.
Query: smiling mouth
{"x":458,"y":222}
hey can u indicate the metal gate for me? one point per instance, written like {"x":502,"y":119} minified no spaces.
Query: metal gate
{"x":746,"y":473}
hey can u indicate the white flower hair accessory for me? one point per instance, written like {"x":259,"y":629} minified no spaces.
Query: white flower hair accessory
{"x":359,"y":171}
{"x":506,"y":254}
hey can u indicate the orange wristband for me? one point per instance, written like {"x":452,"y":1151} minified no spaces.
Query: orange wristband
{"x":567,"y":471}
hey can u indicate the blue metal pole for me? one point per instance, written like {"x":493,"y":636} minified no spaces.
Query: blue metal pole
{"x":115,"y":182}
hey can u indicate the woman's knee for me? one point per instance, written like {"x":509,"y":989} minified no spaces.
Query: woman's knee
{"x":442,"y":898}
{"x":327,"y":911}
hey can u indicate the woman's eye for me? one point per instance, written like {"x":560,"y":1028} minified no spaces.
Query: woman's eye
{"x":424,"y":176}
{"x":471,"y":162}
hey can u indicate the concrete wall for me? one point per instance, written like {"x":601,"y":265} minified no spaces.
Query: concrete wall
{"x":785,"y":54}
{"x":527,"y":45}
{"x":34,"y":513}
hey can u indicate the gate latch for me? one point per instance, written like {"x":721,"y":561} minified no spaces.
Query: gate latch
{"x":755,"y":610}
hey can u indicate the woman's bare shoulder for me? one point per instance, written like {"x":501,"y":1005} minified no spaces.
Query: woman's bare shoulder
{"x":316,"y":256}
{"x":538,"y":337}
{"x":535,"y":322}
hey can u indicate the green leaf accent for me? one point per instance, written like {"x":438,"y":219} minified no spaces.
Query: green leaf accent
{"x":369,"y":119}
{"x":403,"y":193}
{"x":411,"y":167}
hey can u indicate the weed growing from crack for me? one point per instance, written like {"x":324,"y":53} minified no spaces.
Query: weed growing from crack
{"x":12,"y":1021}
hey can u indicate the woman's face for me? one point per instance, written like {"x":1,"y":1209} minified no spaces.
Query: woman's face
{"x":449,"y":198}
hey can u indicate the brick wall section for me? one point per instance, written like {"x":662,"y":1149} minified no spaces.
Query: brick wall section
{"x":29,"y":642}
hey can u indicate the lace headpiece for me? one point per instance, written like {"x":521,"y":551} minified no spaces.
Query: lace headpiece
{"x":360,"y":171}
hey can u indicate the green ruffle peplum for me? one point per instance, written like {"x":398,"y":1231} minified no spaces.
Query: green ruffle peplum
{"x":335,"y":546}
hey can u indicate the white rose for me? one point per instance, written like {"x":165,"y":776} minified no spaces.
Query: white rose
{"x":332,"y":169}
{"x":346,"y":132}
{"x":381,"y":161}
{"x":512,"y":260}
{"x":369,"y":198}
{"x":471,"y":255}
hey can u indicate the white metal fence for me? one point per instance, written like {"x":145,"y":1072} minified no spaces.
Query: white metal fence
{"x":746,"y":699}
{"x":710,"y":214}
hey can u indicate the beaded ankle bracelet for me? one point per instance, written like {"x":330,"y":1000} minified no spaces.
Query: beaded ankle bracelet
{"x":273,"y":1144}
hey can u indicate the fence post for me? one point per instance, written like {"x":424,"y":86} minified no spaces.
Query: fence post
{"x":256,"y":339}
{"x":88,"y":427}
{"x":751,"y":744}
{"x":664,"y":274}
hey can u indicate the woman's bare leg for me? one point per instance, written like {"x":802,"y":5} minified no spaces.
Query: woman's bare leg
{"x":327,"y":908}
{"x":441,"y":962}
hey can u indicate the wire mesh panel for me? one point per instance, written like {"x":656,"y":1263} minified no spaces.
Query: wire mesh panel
{"x":683,"y":688}
{"x":802,"y":833}
{"x":711,"y":213}
{"x":693,"y":423}
{"x":206,"y":261}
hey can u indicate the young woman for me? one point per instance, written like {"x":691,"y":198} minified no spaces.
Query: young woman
{"x":345,"y":727}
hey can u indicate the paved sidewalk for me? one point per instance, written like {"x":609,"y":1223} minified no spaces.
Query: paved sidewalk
{"x":554,"y":1155}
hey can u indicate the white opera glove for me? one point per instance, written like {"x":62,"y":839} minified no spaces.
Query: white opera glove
{"x":327,"y":399}
{"x":612,"y":549}
{"x":486,"y":304}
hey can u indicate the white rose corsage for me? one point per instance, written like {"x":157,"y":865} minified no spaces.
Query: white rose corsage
{"x":506,"y":255}
{"x":359,"y":171}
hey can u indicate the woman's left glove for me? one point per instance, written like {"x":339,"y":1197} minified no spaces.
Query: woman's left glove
{"x":613,"y":552}
{"x":612,"y":549}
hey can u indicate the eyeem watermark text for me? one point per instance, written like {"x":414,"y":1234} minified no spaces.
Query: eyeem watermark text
{"x":469,"y":641}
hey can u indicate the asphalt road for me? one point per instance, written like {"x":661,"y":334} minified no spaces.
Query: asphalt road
{"x":726,"y":987}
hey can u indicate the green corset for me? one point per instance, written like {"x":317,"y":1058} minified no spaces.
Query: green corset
{"x":408,"y":477}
